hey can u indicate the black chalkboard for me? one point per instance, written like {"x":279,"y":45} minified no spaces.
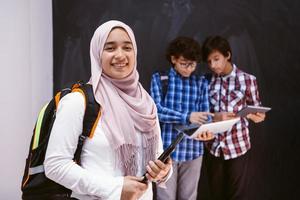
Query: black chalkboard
{"x":264,"y":35}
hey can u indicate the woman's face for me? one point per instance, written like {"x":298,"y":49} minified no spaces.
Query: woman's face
{"x":118,"y":57}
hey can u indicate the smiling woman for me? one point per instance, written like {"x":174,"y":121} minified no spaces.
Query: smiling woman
{"x":126,"y":140}
{"x":118,"y":54}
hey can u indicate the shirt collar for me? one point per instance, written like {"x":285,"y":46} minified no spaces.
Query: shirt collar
{"x":232,"y":73}
{"x":173,"y":72}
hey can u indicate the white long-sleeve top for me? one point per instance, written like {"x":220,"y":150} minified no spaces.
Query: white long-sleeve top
{"x":96,"y":177}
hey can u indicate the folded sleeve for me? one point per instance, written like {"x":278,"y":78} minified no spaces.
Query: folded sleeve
{"x":252,"y":94}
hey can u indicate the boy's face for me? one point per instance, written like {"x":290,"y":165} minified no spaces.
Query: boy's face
{"x":218,"y":63}
{"x":184,"y":66}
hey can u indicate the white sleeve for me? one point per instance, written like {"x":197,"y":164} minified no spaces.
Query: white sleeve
{"x":58,"y":163}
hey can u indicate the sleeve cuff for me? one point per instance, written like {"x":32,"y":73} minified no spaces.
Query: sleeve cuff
{"x":185,"y":118}
{"x":162,"y":183}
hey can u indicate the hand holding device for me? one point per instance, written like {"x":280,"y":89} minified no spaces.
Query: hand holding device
{"x":252,"y":110}
{"x":167,"y":152}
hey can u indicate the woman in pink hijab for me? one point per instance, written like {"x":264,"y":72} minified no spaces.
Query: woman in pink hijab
{"x":127,"y":138}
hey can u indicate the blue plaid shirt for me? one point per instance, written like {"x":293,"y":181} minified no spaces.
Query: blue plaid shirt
{"x":183,"y":96}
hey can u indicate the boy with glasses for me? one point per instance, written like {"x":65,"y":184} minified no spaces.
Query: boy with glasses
{"x":185,"y":102}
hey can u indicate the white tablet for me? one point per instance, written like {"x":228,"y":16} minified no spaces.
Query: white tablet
{"x":252,"y":109}
{"x":215,"y":127}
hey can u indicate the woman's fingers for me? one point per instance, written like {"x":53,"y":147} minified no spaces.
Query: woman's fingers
{"x":157,"y":170}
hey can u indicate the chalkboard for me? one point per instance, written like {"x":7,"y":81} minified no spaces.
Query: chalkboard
{"x":264,"y":35}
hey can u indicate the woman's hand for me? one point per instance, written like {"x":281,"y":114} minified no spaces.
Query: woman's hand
{"x":205,"y":136}
{"x":256,"y":117}
{"x":200,"y":117}
{"x":157,"y":170}
{"x":133,"y":188}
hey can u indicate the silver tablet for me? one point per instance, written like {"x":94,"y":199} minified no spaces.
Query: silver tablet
{"x":252,"y":109}
{"x":214,"y":127}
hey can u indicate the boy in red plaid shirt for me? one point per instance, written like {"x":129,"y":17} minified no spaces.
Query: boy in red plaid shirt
{"x":230,"y":90}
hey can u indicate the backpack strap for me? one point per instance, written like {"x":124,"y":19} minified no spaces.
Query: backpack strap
{"x":164,"y":79}
{"x":91,"y":116}
{"x":60,"y":95}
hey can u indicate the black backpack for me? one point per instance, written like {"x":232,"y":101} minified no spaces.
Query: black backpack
{"x":164,"y":79}
{"x":35,"y":185}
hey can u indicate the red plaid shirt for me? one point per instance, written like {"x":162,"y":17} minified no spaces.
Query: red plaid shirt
{"x":231,"y":93}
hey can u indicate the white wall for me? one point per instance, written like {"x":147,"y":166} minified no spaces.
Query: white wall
{"x":26,"y":82}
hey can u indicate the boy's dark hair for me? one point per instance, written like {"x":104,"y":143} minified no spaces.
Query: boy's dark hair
{"x":216,"y":43}
{"x":186,"y":47}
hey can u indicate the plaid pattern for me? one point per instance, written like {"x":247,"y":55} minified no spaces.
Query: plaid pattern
{"x":230,"y":94}
{"x":183,"y":96}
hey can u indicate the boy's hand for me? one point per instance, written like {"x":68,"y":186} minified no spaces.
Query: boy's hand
{"x":200,"y":117}
{"x":256,"y":117}
{"x":157,"y":170}
{"x":205,"y":136}
{"x":133,"y":188}
{"x":221,"y":116}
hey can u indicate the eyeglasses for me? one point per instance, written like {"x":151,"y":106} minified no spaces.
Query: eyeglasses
{"x":186,"y":65}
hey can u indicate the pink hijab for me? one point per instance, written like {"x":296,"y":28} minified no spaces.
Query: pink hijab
{"x":127,"y":109}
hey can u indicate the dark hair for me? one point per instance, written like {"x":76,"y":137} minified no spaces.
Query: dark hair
{"x":186,"y":47}
{"x":216,"y":43}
